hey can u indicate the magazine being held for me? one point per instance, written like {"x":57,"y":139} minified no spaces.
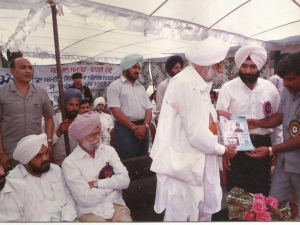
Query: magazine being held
{"x":235,"y":132}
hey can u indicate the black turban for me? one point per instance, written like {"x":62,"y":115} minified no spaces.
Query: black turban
{"x":172,"y":61}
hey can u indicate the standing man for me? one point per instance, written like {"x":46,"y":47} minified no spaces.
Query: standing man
{"x":286,"y":177}
{"x":18,"y":202}
{"x":95,"y":174}
{"x":72,"y":98}
{"x":22,"y":106}
{"x":106,"y":119}
{"x":132,"y":109}
{"x":173,"y":65}
{"x":84,"y":90}
{"x":43,"y":177}
{"x":275,"y":79}
{"x":254,"y":98}
{"x":185,"y":152}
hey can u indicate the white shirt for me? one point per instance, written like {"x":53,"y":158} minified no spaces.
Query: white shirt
{"x":106,"y":120}
{"x":51,"y":190}
{"x":79,"y":169}
{"x":59,"y":147}
{"x":278,"y":83}
{"x":236,"y":98}
{"x":19,"y":203}
{"x":131,"y":99}
{"x":160,"y":93}
{"x":185,"y":152}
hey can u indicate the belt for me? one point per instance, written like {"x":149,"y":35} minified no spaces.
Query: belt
{"x":258,"y":136}
{"x":138,"y":122}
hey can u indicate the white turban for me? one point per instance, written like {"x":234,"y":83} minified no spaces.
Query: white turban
{"x":99,"y":100}
{"x":29,"y":146}
{"x":84,"y":124}
{"x":257,"y":54}
{"x":208,"y":52}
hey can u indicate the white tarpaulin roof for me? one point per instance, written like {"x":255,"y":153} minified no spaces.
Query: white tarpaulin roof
{"x":107,"y":30}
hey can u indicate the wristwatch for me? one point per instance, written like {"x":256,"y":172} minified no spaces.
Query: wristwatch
{"x":270,"y":151}
{"x":50,"y":140}
{"x":146,"y":125}
{"x":95,"y":183}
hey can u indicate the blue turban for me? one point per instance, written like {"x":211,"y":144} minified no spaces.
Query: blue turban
{"x":69,"y":94}
{"x":130,"y":60}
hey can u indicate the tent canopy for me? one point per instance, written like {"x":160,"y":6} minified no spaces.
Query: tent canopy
{"x":107,"y":30}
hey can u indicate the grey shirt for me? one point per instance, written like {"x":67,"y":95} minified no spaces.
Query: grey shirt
{"x":20,"y":116}
{"x":290,"y":108}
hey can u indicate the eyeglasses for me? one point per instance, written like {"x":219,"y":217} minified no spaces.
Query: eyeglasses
{"x":222,"y":63}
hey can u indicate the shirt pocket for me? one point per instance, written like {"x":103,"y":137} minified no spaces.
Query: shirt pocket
{"x":59,"y":193}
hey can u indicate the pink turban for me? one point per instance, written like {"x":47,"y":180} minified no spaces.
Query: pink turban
{"x":84,"y":124}
{"x":257,"y":54}
{"x":29,"y":146}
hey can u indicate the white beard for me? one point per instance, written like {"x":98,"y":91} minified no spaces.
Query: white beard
{"x":209,"y":74}
{"x":90,"y":146}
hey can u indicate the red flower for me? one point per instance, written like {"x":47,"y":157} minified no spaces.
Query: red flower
{"x":263,"y":217}
{"x":250,"y":216}
{"x":273,"y":202}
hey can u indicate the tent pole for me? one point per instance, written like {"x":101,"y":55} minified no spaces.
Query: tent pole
{"x":59,"y":74}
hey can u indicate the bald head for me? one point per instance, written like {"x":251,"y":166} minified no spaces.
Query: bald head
{"x":22,"y":71}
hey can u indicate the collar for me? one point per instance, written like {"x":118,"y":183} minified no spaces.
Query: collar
{"x":7,"y":188}
{"x":80,"y":153}
{"x":15,"y":89}
{"x":123,"y":79}
{"x":199,"y":82}
{"x":24,"y":172}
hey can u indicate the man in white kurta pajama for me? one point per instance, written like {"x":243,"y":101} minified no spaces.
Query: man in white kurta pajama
{"x":185,"y":152}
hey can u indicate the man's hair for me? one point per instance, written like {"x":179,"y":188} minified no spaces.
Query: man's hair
{"x":289,"y":64}
{"x":76,"y":75}
{"x":213,"y":93}
{"x":12,"y":64}
{"x":280,"y":57}
{"x":84,"y":101}
{"x":237,"y":124}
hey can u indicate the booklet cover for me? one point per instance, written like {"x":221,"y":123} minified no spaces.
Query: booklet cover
{"x":235,"y":132}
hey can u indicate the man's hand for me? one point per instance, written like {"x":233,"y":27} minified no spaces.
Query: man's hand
{"x":230,"y":153}
{"x":226,"y":163}
{"x":140,"y":131}
{"x":252,"y":124}
{"x":4,"y":161}
{"x":63,"y":127}
{"x":224,"y":113}
{"x":258,"y":153}
{"x":91,"y":183}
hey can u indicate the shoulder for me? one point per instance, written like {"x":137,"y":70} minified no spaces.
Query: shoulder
{"x":15,"y":184}
{"x":55,"y":168}
{"x":115,"y":83}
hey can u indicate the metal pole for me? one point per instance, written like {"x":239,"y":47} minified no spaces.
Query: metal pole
{"x":59,"y":75}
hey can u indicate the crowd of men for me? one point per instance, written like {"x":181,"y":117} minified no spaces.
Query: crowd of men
{"x":40,"y":182}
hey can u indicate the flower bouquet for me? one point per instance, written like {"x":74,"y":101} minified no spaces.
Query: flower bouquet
{"x":255,"y":207}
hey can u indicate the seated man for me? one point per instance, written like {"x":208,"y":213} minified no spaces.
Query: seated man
{"x":106,"y":119}
{"x":95,"y":174}
{"x":18,"y":202}
{"x":44,"y":178}
{"x":84,"y":106}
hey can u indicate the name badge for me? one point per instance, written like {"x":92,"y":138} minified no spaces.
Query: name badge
{"x":267,"y":108}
